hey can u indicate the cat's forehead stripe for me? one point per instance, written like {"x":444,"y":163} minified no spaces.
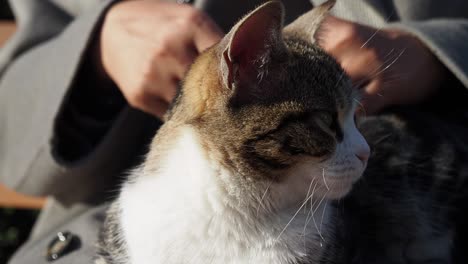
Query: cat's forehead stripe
{"x":327,"y":85}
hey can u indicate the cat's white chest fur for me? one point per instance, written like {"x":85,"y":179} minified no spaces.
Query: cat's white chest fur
{"x":185,"y":213}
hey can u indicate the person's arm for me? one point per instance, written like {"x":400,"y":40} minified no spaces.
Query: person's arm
{"x":41,"y":67}
{"x":67,"y":126}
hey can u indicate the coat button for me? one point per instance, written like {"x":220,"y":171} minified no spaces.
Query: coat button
{"x":63,"y":243}
{"x":184,"y":1}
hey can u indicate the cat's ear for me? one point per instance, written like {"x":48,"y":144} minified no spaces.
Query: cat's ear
{"x":250,"y":48}
{"x":305,"y":27}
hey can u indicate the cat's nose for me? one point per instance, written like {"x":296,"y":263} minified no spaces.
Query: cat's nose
{"x":363,"y":153}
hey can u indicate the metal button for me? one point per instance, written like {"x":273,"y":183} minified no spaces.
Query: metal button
{"x":63,"y":243}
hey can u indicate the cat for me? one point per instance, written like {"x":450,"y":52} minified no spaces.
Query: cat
{"x":260,"y":161}
{"x":410,"y":204}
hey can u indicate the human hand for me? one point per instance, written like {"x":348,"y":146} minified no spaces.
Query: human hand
{"x":147,"y":46}
{"x":391,"y":67}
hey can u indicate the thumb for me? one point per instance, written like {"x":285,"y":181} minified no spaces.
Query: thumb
{"x":206,"y":33}
{"x":332,"y":32}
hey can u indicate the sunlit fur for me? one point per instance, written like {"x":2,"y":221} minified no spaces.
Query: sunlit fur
{"x":243,"y":174}
{"x":253,"y":159}
{"x":195,"y":210}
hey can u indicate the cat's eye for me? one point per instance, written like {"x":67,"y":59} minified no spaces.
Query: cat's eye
{"x":325,"y":118}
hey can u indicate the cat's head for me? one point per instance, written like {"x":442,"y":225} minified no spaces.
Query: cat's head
{"x":270,"y":105}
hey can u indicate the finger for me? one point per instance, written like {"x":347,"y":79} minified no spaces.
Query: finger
{"x":206,"y":33}
{"x":334,"y":32}
{"x":177,"y":57}
{"x":373,"y":98}
{"x":154,"y":105}
{"x":167,"y":81}
{"x":360,"y":65}
{"x":183,"y":60}
{"x":357,"y":72}
{"x":170,"y":91}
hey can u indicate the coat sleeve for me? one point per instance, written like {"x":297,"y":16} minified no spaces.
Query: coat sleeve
{"x":43,"y":111}
{"x":447,"y":38}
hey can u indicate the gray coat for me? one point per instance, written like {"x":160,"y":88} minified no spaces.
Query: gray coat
{"x":46,"y":61}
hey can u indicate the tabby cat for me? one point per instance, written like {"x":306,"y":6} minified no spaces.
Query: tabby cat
{"x":257,"y":153}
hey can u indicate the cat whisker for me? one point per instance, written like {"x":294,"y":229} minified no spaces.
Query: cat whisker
{"x":357,"y":100}
{"x":324,"y":181}
{"x":370,"y":38}
{"x":318,"y":231}
{"x":313,"y":219}
{"x":391,"y":63}
{"x":380,"y":69}
{"x":294,"y":216}
{"x":390,"y":52}
{"x":387,"y":58}
{"x":305,"y":209}
{"x":263,"y":197}
{"x":361,"y":106}
{"x":309,"y":214}
{"x":382,"y":138}
{"x":377,"y":31}
{"x":320,"y":202}
{"x":339,"y":79}
{"x":386,"y":64}
{"x":323,"y":214}
{"x":389,"y":78}
{"x":310,"y":187}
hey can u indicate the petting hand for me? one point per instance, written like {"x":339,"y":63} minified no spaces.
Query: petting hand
{"x":146,"y":48}
{"x":390,"y":66}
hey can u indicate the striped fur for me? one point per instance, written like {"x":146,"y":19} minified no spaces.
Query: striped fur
{"x":254,"y":161}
